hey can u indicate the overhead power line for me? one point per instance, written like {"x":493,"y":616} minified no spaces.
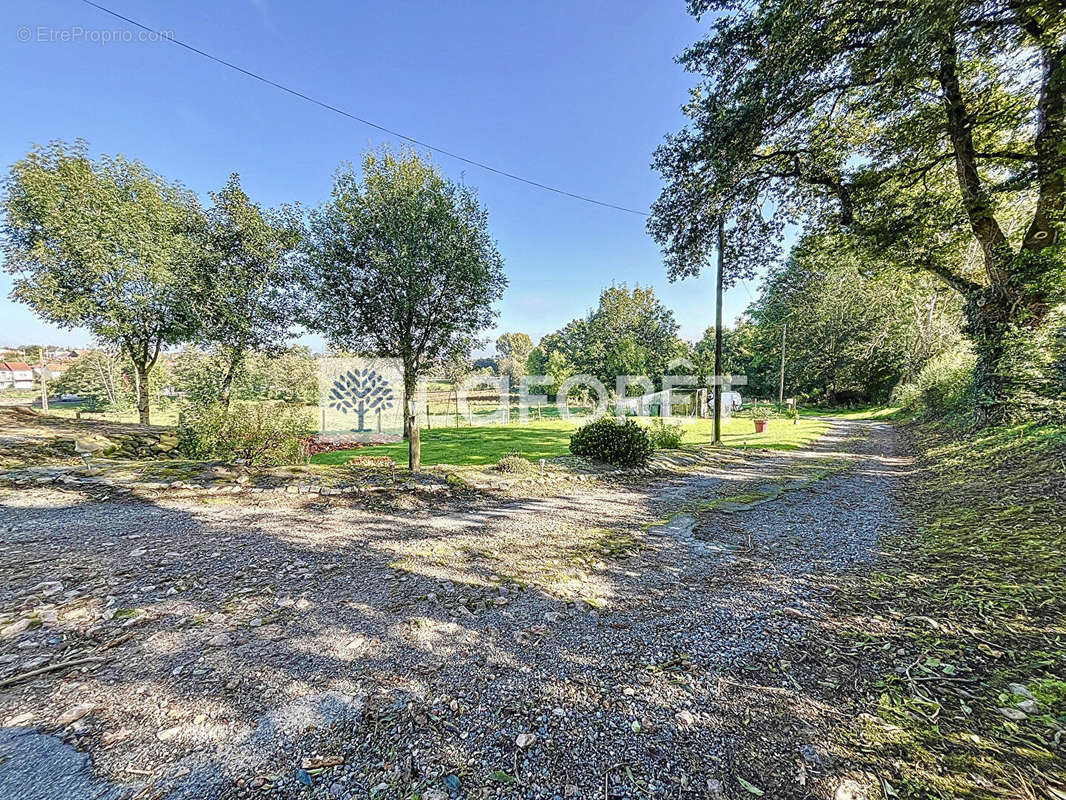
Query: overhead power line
{"x":337,"y":110}
{"x":744,"y":283}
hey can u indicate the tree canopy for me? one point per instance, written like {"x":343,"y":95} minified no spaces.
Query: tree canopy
{"x":400,"y":263}
{"x":630,"y":332}
{"x":105,"y":245}
{"x":913,"y":125}
{"x":855,"y":329}
{"x":243,"y":284}
{"x":514,"y":350}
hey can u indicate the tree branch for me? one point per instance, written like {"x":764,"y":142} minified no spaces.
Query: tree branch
{"x":1048,"y":143}
{"x":960,"y":133}
{"x":964,"y":286}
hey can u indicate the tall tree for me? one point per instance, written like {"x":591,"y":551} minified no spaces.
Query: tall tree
{"x":513,"y":350}
{"x":243,"y":285}
{"x":97,"y":375}
{"x":401,"y":264}
{"x":857,"y":329}
{"x":630,"y":332}
{"x":894,"y":121}
{"x":105,"y":245}
{"x":735,"y":361}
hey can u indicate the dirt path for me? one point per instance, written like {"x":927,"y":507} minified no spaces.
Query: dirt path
{"x":605,"y":641}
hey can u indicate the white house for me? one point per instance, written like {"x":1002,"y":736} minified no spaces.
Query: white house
{"x":15,"y":375}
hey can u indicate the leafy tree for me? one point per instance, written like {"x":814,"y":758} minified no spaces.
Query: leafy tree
{"x":735,"y":360}
{"x":514,"y":350}
{"x":401,"y":264}
{"x":243,"y":283}
{"x":856,"y":327}
{"x":514,"y":345}
{"x":97,"y":376}
{"x":892,"y":121}
{"x":197,"y":375}
{"x":103,"y":245}
{"x":555,"y":364}
{"x":455,"y":369}
{"x":628,"y":333}
{"x":560,"y":368}
{"x":486,"y":365}
{"x":291,"y":375}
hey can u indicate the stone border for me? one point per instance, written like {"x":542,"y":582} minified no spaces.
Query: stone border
{"x":160,"y":486}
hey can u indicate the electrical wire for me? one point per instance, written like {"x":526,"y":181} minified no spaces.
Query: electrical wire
{"x":337,"y":110}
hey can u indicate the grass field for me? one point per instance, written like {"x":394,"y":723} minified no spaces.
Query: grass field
{"x":861,"y":413}
{"x":481,"y":446}
{"x":163,"y":417}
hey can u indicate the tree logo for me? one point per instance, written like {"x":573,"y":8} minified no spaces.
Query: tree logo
{"x":360,"y":392}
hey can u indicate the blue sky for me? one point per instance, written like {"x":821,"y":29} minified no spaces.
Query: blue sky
{"x":573,"y":94}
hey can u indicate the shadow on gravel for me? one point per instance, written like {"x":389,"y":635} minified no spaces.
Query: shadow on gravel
{"x":423,"y":653}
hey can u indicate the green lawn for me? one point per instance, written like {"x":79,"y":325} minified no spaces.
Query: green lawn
{"x":481,"y":446}
{"x":164,"y":417}
{"x":860,"y":413}
{"x":780,"y":433}
{"x":471,"y":446}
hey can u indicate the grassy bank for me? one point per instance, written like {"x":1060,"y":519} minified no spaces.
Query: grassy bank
{"x":162,"y":416}
{"x":961,"y":633}
{"x":485,"y":445}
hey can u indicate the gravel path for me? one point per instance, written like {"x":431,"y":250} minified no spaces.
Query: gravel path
{"x":607,"y":640}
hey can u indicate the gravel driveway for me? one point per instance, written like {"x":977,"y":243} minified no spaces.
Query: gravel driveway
{"x":597,"y":641}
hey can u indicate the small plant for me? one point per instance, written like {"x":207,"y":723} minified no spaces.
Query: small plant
{"x":624,"y":444}
{"x":514,"y":463}
{"x":666,"y":437}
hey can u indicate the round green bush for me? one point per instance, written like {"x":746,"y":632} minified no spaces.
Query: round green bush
{"x":624,"y":444}
{"x":514,"y":463}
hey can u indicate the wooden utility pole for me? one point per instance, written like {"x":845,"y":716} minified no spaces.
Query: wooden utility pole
{"x":781,"y":381}
{"x":44,"y":382}
{"x":718,"y":335}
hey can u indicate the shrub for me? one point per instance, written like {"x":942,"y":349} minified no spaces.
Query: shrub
{"x":514,"y":463}
{"x":665,"y":437}
{"x":253,"y":433}
{"x":625,"y":444}
{"x":943,"y":386}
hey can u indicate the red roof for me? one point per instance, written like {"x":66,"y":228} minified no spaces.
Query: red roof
{"x":17,"y":366}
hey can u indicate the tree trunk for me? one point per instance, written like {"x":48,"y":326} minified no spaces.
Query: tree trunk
{"x":975,"y":200}
{"x":410,"y":423}
{"x":414,"y":449}
{"x":1050,"y":130}
{"x":988,"y":318}
{"x":225,"y":390}
{"x":142,"y":392}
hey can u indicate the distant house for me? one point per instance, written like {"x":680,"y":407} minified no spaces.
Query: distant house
{"x":53,"y":369}
{"x":16,"y":375}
